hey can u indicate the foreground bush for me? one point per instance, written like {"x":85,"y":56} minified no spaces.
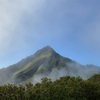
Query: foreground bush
{"x":66,"y":88}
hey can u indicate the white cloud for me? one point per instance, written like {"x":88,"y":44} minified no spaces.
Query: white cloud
{"x":11,"y":12}
{"x":43,"y":20}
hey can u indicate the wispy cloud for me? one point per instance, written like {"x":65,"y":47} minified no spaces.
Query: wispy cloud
{"x":11,"y":13}
{"x":27,"y":23}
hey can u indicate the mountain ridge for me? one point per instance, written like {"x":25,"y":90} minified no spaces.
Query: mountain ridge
{"x":46,"y":62}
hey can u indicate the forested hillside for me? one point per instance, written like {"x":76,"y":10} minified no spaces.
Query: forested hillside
{"x":65,"y":88}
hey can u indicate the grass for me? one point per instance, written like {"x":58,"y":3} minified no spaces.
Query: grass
{"x":31,"y":63}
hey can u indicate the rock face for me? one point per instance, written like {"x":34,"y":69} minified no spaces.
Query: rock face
{"x":45,"y":63}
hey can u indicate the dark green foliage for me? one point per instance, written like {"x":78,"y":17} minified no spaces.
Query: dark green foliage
{"x":65,"y":88}
{"x":95,"y":78}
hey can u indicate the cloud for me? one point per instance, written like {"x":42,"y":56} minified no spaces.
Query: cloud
{"x":11,"y":13}
{"x":28,"y":23}
{"x":25,"y":21}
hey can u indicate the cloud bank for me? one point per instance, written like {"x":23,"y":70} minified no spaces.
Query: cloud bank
{"x":28,"y":23}
{"x":11,"y":14}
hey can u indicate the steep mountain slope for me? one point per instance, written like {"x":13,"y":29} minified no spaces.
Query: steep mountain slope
{"x":44,"y":63}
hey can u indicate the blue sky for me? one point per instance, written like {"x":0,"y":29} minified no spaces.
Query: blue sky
{"x":71,"y":27}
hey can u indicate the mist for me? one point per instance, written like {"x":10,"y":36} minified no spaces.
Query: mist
{"x":71,"y":69}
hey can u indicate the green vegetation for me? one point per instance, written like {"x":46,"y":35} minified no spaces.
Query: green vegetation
{"x":65,"y":88}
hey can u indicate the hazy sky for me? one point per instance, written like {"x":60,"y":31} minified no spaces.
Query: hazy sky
{"x":71,"y":27}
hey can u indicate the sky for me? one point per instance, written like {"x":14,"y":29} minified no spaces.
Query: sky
{"x":70,"y":27}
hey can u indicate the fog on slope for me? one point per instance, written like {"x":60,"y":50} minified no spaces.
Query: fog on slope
{"x":76,"y":70}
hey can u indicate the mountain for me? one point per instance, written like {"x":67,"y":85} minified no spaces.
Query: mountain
{"x":44,"y":63}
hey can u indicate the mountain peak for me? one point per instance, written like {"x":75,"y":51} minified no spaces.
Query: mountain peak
{"x":46,"y":50}
{"x":46,"y":62}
